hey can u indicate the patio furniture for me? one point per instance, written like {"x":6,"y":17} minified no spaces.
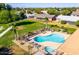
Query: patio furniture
{"x":22,"y":43}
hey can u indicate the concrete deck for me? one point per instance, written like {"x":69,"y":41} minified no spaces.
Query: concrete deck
{"x":71,"y":45}
{"x":53,"y":44}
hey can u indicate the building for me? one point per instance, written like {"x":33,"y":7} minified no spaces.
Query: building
{"x":68,"y":19}
{"x":44,"y":12}
{"x":43,"y":16}
{"x":75,"y":13}
{"x":29,"y":16}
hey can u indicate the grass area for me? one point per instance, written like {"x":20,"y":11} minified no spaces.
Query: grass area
{"x":25,"y":26}
{"x":5,"y":26}
{"x":6,"y":40}
{"x":65,"y":28}
{"x":28,"y":26}
{"x":64,"y":25}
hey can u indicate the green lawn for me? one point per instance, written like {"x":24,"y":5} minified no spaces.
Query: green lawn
{"x":6,"y":40}
{"x":27,"y":25}
{"x":5,"y":26}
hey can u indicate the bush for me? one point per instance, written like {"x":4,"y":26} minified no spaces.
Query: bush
{"x":70,"y":30}
{"x":77,"y":23}
{"x":63,"y":22}
{"x":64,"y":29}
{"x":55,"y":26}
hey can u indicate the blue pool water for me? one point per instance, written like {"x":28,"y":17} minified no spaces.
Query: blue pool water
{"x":58,"y":38}
{"x":49,"y":49}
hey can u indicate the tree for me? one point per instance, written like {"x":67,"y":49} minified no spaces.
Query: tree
{"x":63,"y":22}
{"x":2,"y":6}
{"x":66,"y":11}
{"x":54,"y":11}
{"x":8,"y":7}
{"x":38,"y":10}
{"x":14,"y":29}
{"x":46,"y":20}
{"x":29,"y":11}
{"x":15,"y":17}
{"x":18,"y":9}
{"x":4,"y":16}
{"x":22,"y":15}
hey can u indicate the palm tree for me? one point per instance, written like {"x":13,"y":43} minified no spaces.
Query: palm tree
{"x":9,"y":8}
{"x":14,"y":30}
{"x":46,"y":21}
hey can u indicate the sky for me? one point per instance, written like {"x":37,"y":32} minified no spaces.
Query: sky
{"x":43,"y":5}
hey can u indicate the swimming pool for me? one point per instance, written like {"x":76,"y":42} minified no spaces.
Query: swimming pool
{"x":49,"y":49}
{"x":58,"y":38}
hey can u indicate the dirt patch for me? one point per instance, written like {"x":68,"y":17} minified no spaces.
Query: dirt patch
{"x":20,"y":28}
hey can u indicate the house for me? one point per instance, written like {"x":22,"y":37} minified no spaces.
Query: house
{"x":43,"y":16}
{"x":75,"y":13}
{"x":44,"y":12}
{"x":29,"y":16}
{"x":68,"y":19}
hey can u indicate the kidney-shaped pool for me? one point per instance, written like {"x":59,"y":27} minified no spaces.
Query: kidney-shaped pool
{"x":58,"y":38}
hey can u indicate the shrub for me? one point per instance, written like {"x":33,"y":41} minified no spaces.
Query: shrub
{"x":77,"y":23}
{"x":70,"y":30}
{"x":63,"y":22}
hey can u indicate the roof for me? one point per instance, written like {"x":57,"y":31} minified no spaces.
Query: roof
{"x":75,"y":12}
{"x":44,"y":12}
{"x":44,"y":16}
{"x":68,"y":18}
{"x":71,"y":45}
{"x":30,"y":15}
{"x":40,"y":15}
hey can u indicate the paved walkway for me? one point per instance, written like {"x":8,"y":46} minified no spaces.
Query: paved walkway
{"x":4,"y":32}
{"x":71,"y":46}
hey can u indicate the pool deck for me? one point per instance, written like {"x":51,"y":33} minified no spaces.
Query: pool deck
{"x":53,"y":44}
{"x":71,"y":46}
{"x":43,"y":44}
{"x":24,"y":46}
